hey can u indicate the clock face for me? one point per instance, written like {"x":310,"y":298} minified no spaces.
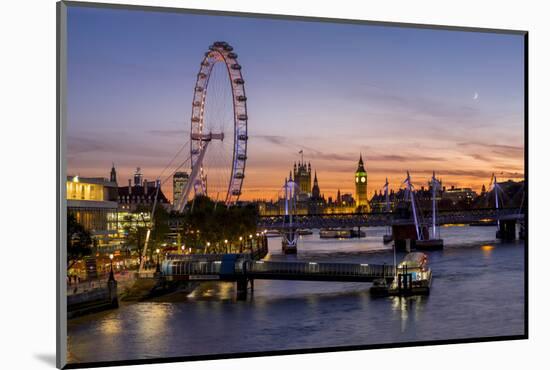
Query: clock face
{"x":357,"y":179}
{"x":363,"y":179}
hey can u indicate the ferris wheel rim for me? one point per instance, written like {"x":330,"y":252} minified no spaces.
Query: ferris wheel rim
{"x":221,"y":52}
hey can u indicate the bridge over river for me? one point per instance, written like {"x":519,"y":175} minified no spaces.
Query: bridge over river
{"x":341,"y":220}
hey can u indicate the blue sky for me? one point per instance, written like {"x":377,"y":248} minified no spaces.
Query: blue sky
{"x":406,"y":98}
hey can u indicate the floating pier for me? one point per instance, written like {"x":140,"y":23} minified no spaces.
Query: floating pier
{"x":243,"y":271}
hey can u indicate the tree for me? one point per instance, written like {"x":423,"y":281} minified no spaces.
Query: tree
{"x":208,"y":221}
{"x":79,"y":241}
{"x":159,"y":228}
{"x":136,"y":236}
{"x":160,"y":225}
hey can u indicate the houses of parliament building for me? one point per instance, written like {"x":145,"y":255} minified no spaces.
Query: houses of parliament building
{"x":310,"y":200}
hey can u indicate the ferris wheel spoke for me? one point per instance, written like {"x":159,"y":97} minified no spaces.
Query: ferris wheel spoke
{"x":219,"y":124}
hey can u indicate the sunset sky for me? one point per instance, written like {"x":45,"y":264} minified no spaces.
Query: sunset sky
{"x":407,"y":99}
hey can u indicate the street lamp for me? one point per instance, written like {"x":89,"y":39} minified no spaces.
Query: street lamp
{"x":111,"y":274}
{"x":158,"y":260}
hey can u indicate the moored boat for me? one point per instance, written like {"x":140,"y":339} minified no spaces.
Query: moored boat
{"x":272,"y":233}
{"x":413,"y":277}
{"x":340,"y":233}
{"x":483,"y":222}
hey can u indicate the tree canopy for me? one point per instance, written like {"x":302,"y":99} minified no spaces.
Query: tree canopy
{"x":208,"y":221}
{"x":79,"y":240}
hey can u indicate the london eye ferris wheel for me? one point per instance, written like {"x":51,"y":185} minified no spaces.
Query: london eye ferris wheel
{"x":218,"y":134}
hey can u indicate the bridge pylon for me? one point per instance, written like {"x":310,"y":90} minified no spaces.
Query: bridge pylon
{"x":290,"y":235}
{"x":242,"y":285}
{"x":506,"y":230}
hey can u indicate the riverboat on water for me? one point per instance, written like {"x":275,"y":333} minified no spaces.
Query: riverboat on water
{"x":413,"y":277}
{"x":272,"y":233}
{"x":340,"y":233}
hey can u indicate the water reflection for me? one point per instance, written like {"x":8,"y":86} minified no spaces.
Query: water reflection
{"x":224,"y":291}
{"x":487,"y":250}
{"x":110,"y":326}
{"x":154,"y":318}
{"x":404,"y":307}
{"x":466,"y":301}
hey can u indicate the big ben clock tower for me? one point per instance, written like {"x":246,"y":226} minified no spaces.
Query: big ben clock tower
{"x":361,"y":186}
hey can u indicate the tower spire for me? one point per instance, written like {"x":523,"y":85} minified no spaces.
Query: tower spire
{"x":113,"y":173}
{"x":360,"y":165}
{"x":315,"y":191}
{"x":361,"y":196}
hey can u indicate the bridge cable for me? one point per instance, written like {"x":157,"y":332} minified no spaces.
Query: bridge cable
{"x":176,"y":170}
{"x":173,"y":158}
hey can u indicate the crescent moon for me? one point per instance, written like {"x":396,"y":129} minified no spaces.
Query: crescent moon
{"x":476,"y":95}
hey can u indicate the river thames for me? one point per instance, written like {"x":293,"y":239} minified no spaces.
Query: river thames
{"x":477,"y":291}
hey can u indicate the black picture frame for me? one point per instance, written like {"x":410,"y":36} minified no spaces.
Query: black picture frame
{"x":61,"y":317}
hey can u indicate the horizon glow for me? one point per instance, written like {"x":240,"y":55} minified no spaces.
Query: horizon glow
{"x":406,"y":98}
